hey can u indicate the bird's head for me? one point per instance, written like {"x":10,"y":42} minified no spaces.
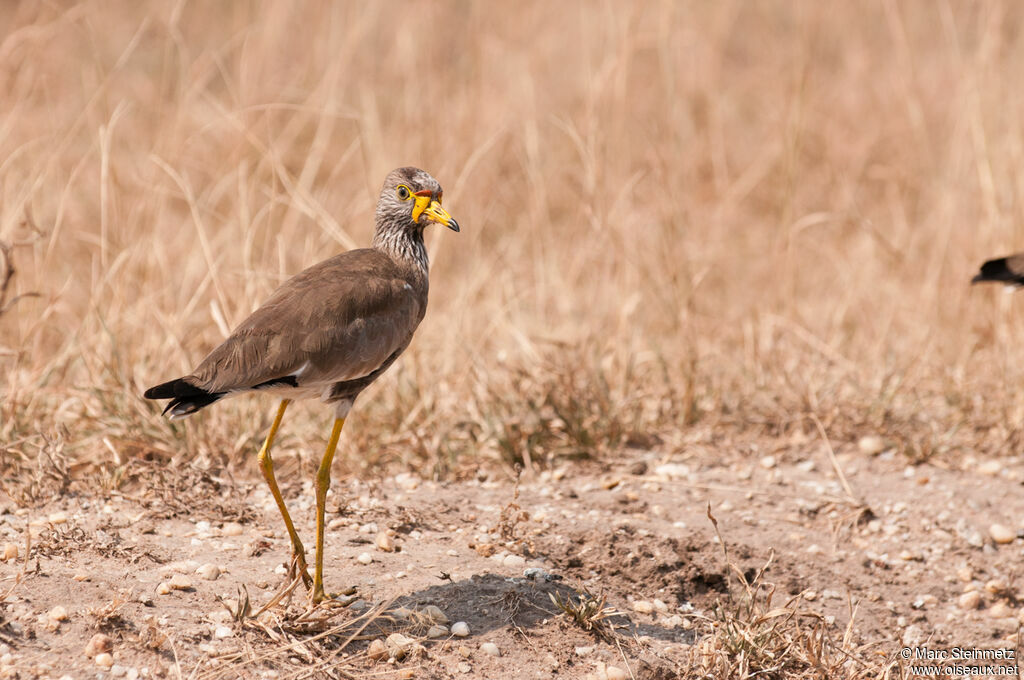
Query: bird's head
{"x":411,"y":198}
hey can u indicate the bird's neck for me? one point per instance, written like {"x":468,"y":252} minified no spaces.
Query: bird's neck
{"x":405,"y":246}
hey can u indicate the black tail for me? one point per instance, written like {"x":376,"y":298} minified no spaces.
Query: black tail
{"x":1000,"y":271}
{"x":185,"y":397}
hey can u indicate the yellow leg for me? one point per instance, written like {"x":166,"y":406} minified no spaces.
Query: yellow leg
{"x":267,"y":465}
{"x":323,"y":482}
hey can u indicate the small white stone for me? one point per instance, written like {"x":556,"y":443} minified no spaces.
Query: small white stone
{"x":232,"y":529}
{"x":163,"y":589}
{"x":364,"y":558}
{"x":768,"y":462}
{"x":435,"y":632}
{"x":57,"y":518}
{"x":377,"y":650}
{"x":105,"y":660}
{"x":435,"y":614}
{"x":399,"y":645}
{"x":673,"y":471}
{"x":180,"y":582}
{"x":871,"y":445}
{"x":384,"y":542}
{"x":643,"y":607}
{"x":460,"y":629}
{"x":990,"y":467}
{"x":464,"y":667}
{"x":222,"y":631}
{"x":514,"y":561}
{"x":1001,"y":533}
{"x":995,"y":586}
{"x":970,"y":600}
{"x":584,"y":651}
{"x":58,"y":613}
{"x":407,"y":481}
{"x":615,"y":673}
{"x":98,"y":644}
{"x":10,"y":552}
{"x":118,"y":671}
{"x":202,"y":526}
{"x":490,"y":649}
{"x":209,"y":572}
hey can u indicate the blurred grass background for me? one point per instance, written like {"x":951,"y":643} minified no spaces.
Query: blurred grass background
{"x":688,"y":226}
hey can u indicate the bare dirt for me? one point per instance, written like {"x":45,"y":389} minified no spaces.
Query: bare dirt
{"x":895,"y":558}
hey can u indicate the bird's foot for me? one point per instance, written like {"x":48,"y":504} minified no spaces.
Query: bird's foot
{"x":318,"y":597}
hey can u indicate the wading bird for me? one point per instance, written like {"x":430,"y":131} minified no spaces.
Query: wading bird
{"x":328,"y":333}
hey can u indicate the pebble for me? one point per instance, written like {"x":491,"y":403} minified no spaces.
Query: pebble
{"x":364,"y":558}
{"x":222,"y":631}
{"x":232,"y":529}
{"x":180,"y":582}
{"x":435,"y":632}
{"x":1001,"y":610}
{"x":163,"y":588}
{"x":673,"y":470}
{"x":768,"y":462}
{"x":490,"y":649}
{"x":435,"y":614}
{"x":643,"y":607}
{"x":58,"y":518}
{"x":10,"y":552}
{"x":209,"y":572}
{"x":464,"y":667}
{"x":584,"y":651}
{"x":971,"y":600}
{"x":58,"y":613}
{"x":407,"y":481}
{"x":464,"y":652}
{"x":377,"y":650}
{"x":1001,"y":533}
{"x":871,"y":445}
{"x":105,"y":660}
{"x":990,"y":467}
{"x":98,"y":644}
{"x":995,"y":586}
{"x":399,"y":645}
{"x":615,"y":673}
{"x":384,"y":542}
{"x":406,"y":673}
{"x":460,"y":629}
{"x":514,"y":561}
{"x":965,"y":574}
{"x":118,"y":671}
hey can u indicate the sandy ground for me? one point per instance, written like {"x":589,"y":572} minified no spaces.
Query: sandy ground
{"x":899,"y":558}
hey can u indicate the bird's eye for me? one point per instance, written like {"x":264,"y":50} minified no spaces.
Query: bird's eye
{"x":403,"y":192}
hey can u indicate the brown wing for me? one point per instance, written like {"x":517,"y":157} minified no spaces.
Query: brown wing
{"x":338,"y":320}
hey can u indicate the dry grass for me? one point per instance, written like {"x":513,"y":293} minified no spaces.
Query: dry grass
{"x":683,"y":221}
{"x":727,"y":214}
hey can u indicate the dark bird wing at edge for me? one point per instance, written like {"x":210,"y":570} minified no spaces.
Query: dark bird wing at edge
{"x":339,"y":320}
{"x":1008,"y":270}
